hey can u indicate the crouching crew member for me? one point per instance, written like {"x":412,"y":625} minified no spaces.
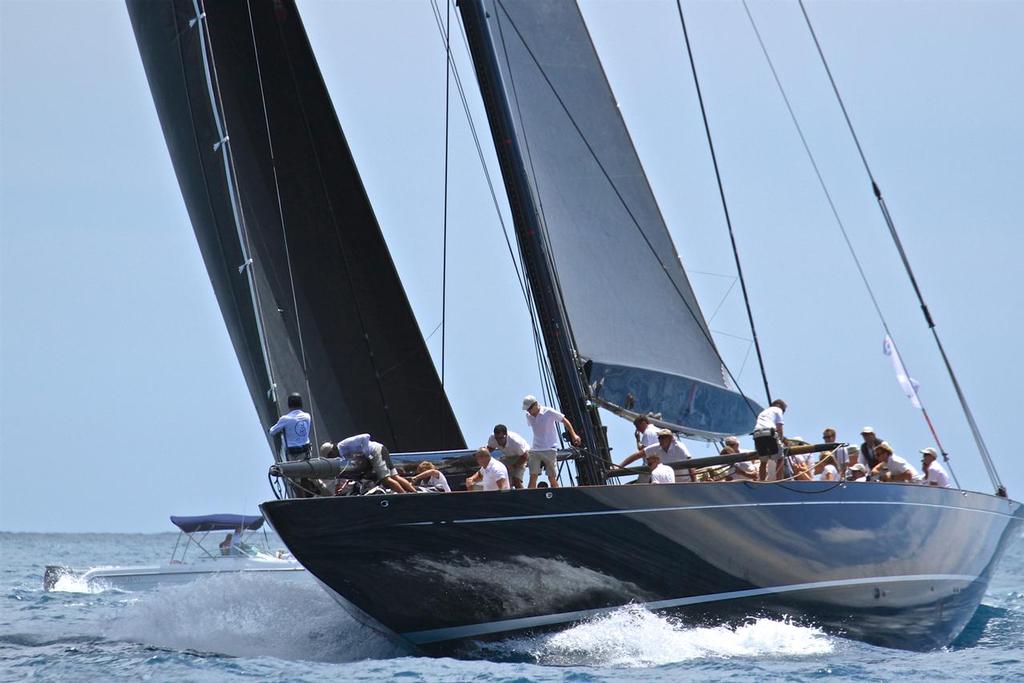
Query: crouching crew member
{"x":492,"y":473}
{"x":892,"y":467}
{"x":382,"y":470}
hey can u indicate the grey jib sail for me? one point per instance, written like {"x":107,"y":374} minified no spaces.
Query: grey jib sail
{"x":320,"y":297}
{"x":632,"y":312}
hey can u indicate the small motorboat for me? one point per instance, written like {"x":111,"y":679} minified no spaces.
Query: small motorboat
{"x":239,"y":551}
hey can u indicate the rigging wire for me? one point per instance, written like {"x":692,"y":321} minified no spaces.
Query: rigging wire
{"x":887,"y":217}
{"x":547,"y":251}
{"x":725,"y":205}
{"x":625,"y":205}
{"x":841,"y":225}
{"x":444,"y":220}
{"x":280,"y":213}
{"x":248,"y":264}
{"x":346,"y":259}
{"x":543,"y":370}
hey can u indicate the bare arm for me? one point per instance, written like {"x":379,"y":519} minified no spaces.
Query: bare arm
{"x":573,"y":436}
{"x":502,"y":484}
{"x":633,"y":458}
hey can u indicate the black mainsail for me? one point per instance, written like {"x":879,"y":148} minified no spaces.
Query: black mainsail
{"x":597,"y":249}
{"x":304,"y":279}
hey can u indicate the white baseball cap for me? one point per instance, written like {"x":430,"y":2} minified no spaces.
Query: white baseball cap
{"x":867,"y":430}
{"x":528,"y":401}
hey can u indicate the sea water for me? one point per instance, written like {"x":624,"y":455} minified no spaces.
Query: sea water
{"x":228,"y":628}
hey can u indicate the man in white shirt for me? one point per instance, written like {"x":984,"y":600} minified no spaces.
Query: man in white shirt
{"x":660,"y":473}
{"x":667,"y":449}
{"x":769,"y":432}
{"x":934,"y":473}
{"x":824,"y":470}
{"x":544,"y":422}
{"x":492,"y":474}
{"x":515,"y":452}
{"x":428,"y":475}
{"x":839,"y":454}
{"x":295,"y":425}
{"x":892,"y":467}
{"x":856,"y":472}
{"x":646,"y":434}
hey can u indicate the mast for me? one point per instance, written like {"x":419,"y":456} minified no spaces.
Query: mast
{"x":570,"y":383}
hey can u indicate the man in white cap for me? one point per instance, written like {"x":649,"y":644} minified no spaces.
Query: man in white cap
{"x":668,"y":450}
{"x":856,"y":472}
{"x":891,"y":467}
{"x":867,"y":449}
{"x":934,"y":473}
{"x":544,"y":422}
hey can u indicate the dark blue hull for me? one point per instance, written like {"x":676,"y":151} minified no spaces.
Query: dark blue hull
{"x":896,"y":565}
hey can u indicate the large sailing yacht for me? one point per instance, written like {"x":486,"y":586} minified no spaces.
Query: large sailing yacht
{"x":273,"y":190}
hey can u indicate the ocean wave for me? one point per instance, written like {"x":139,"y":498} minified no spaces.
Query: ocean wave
{"x":632,"y":636}
{"x":250,"y":616}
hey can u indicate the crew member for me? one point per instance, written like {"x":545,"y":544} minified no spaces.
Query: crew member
{"x":646,"y":434}
{"x":891,"y":467}
{"x":867,"y":449}
{"x":544,"y":422}
{"x":660,"y":473}
{"x":934,"y":473}
{"x":769,"y":435}
{"x":381,"y":469}
{"x":515,"y":448}
{"x":295,"y":425}
{"x":840,"y":455}
{"x":668,"y":449}
{"x":492,"y":473}
{"x":433,"y":477}
{"x":745,"y":470}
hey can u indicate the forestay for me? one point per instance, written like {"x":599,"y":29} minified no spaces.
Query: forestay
{"x":632,"y":312}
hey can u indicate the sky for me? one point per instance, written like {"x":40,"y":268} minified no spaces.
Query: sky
{"x":121,"y":400}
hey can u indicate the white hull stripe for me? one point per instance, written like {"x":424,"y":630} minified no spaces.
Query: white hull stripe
{"x":638,"y":511}
{"x":473,"y":630}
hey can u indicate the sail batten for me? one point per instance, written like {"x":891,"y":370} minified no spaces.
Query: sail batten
{"x":318,"y":293}
{"x":633,"y":317}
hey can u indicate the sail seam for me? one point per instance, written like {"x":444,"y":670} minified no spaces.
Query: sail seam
{"x":625,"y":205}
{"x":210,"y":71}
{"x":280,"y":212}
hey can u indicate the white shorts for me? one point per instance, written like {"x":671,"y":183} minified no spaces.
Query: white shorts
{"x":549,"y":458}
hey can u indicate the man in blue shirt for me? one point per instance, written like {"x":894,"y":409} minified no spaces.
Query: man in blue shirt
{"x":295,"y":425}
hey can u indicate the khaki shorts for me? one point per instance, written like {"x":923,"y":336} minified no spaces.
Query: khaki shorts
{"x":380,"y":463}
{"x":515,"y":471}
{"x":548,"y":458}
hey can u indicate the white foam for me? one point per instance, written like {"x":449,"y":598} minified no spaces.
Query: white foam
{"x":635,"y":637}
{"x":72,"y":583}
{"x":249,"y":616}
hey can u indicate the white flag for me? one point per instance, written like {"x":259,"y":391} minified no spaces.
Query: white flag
{"x":907,"y":383}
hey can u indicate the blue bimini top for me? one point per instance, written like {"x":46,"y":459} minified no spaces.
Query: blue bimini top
{"x":221,"y":522}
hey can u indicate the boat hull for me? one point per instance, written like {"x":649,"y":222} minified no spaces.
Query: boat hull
{"x":896,"y":565}
{"x":149,"y":577}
